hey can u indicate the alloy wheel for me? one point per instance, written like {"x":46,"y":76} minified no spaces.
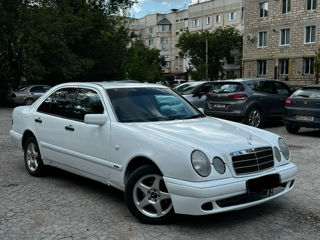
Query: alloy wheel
{"x":151,"y":196}
{"x":254,"y":118}
{"x":32,"y":156}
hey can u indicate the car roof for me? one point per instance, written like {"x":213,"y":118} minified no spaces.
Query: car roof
{"x":115,"y":84}
{"x":312,"y":86}
{"x":245,"y":80}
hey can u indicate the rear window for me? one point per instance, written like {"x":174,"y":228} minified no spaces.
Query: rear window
{"x":227,"y":88}
{"x":187,"y":88}
{"x":308,"y":93}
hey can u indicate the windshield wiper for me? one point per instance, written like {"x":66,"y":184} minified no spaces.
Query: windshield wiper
{"x":194,"y":116}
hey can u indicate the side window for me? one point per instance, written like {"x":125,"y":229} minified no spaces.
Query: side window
{"x":207,"y":88}
{"x":264,"y":86}
{"x":37,"y":89}
{"x":281,"y":88}
{"x":46,"y":105}
{"x":87,"y":102}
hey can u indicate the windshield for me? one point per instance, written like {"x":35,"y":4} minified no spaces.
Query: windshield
{"x":308,"y":93}
{"x":186,"y":88}
{"x":150,"y":104}
{"x":227,"y":88}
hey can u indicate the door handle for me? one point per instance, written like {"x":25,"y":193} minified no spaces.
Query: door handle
{"x":38,"y":120}
{"x":69,"y":128}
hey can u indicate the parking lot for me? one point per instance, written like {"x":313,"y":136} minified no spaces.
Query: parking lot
{"x":65,"y":206}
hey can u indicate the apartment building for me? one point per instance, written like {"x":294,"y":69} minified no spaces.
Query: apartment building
{"x":280,"y":39}
{"x":162,"y":31}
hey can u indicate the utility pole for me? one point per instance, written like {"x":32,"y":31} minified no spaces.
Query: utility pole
{"x":207,"y":57}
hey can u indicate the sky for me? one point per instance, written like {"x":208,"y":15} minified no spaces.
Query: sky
{"x":144,"y":7}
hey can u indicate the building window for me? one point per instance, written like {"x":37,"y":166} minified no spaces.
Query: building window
{"x":286,"y":6}
{"x":186,"y":22}
{"x":311,"y":4}
{"x":150,"y":42}
{"x":283,"y":66}
{"x":164,"y":42}
{"x":310,"y":34}
{"x":218,"y":18}
{"x":167,"y":64}
{"x":177,"y":33}
{"x":232,"y":16}
{"x":285,"y":37}
{"x":262,"y":67}
{"x":264,"y":7}
{"x":164,"y":28}
{"x":262,"y":39}
{"x":150,"y":30}
{"x":195,"y":23}
{"x":308,"y":66}
{"x":208,"y":20}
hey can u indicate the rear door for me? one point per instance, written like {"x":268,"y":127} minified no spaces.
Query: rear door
{"x":50,"y":120}
{"x":283,"y":91}
{"x":266,"y":97}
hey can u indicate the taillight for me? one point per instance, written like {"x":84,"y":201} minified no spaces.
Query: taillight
{"x":287,"y":102}
{"x":239,"y":96}
{"x":208,"y":95}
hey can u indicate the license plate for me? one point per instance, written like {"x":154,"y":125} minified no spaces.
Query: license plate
{"x":263,"y":183}
{"x":305,"y":118}
{"x":219,"y":105}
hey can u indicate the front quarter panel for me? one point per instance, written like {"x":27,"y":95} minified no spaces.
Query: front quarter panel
{"x":173,"y":159}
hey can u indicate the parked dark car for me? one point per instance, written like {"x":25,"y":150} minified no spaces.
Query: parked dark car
{"x":252,"y":101}
{"x":194,"y":92}
{"x":27,"y":95}
{"x":302,"y":109}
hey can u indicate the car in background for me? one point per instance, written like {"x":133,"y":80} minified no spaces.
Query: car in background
{"x":302,"y":109}
{"x":194,"y":92}
{"x":27,"y":95}
{"x":178,"y":82}
{"x":252,"y":101}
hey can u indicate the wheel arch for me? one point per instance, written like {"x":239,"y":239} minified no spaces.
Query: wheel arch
{"x":135,"y":163}
{"x":27,"y":133}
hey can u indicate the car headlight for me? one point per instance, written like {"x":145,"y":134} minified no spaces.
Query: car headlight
{"x":277,"y":153}
{"x":284,"y":148}
{"x":200,"y":163}
{"x":219,"y":165}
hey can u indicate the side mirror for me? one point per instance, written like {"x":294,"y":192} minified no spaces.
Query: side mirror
{"x":95,"y":119}
{"x":201,"y":110}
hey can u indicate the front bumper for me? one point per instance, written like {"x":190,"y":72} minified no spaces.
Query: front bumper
{"x":190,"y":197}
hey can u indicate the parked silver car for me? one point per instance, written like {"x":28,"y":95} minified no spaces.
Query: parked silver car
{"x":194,"y":92}
{"x":27,"y":95}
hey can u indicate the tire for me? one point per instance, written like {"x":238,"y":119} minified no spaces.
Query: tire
{"x":28,"y":101}
{"x":32,"y":158}
{"x":292,"y":129}
{"x":254,"y":117}
{"x":147,"y":197}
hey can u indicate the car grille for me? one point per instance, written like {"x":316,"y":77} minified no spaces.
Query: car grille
{"x":252,"y":160}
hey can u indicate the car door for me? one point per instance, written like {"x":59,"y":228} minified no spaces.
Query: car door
{"x":88,"y":144}
{"x":200,"y":97}
{"x":266,"y":97}
{"x":283,"y":92}
{"x":50,"y":120}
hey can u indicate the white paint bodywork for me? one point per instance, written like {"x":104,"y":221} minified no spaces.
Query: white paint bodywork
{"x":103,"y":152}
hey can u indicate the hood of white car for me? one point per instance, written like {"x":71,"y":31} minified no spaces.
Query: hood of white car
{"x":211,"y":135}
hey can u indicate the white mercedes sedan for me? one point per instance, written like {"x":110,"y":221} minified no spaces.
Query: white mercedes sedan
{"x":149,"y":142}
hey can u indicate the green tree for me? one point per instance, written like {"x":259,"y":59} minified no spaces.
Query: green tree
{"x":220,"y":43}
{"x":143,"y":64}
{"x":54,"y":41}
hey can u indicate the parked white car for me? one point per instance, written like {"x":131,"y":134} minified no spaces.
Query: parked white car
{"x":149,"y":142}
